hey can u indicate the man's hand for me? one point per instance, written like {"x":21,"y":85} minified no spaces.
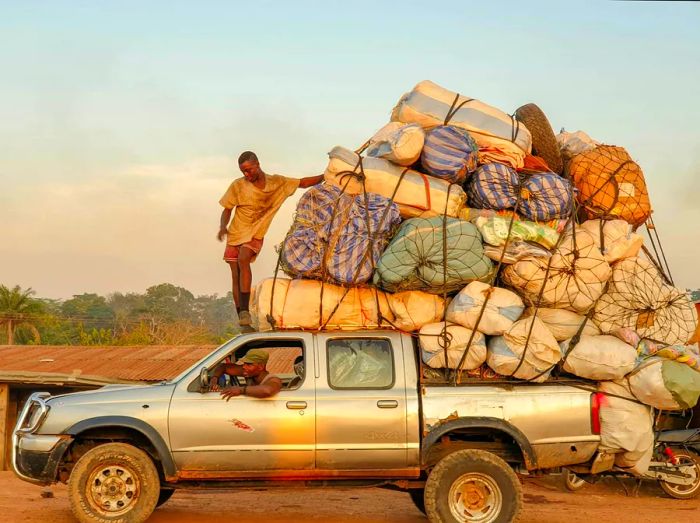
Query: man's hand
{"x":213,"y":384}
{"x":231,"y":392}
{"x":221,"y":234}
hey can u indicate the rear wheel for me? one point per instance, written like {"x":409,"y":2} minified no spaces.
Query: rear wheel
{"x":690,"y":460}
{"x":473,"y":486}
{"x":114,"y":482}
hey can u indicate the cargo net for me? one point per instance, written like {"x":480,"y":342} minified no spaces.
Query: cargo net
{"x":610,"y":185}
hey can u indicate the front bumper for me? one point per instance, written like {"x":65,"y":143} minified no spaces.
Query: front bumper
{"x":36,"y":457}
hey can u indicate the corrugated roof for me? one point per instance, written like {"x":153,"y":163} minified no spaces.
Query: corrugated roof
{"x":128,"y":363}
{"x":137,"y":363}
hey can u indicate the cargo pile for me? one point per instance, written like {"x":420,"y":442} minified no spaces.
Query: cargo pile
{"x":509,"y":252}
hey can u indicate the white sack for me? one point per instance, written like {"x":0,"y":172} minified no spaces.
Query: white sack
{"x":648,"y":385}
{"x":417,"y":195}
{"x":575,"y":280}
{"x":599,"y":358}
{"x":639,"y":299}
{"x":500,"y":137}
{"x":297,"y":305}
{"x":433,"y":353}
{"x":542,"y":353}
{"x":571,"y":144}
{"x":563,"y":324}
{"x":397,"y":142}
{"x":619,"y":241}
{"x":502,"y":309}
{"x":626,"y":427}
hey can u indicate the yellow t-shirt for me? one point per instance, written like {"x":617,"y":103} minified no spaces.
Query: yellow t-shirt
{"x":255,"y":208}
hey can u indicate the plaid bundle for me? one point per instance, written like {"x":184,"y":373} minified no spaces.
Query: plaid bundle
{"x":543,"y":196}
{"x":449,"y":153}
{"x":335,"y":237}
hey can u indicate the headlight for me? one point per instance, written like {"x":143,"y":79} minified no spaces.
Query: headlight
{"x":37,"y":409}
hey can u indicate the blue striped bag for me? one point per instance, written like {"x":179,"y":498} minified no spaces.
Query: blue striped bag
{"x":543,"y":196}
{"x":449,"y":153}
{"x":337,"y":237}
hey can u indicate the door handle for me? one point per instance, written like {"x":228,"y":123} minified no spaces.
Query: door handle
{"x":387,"y":404}
{"x":296,"y":405}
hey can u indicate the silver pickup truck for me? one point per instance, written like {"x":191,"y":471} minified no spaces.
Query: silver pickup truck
{"x":360,"y":414}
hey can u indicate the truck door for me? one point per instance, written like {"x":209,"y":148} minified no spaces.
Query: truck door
{"x":360,"y":403}
{"x":248,"y":436}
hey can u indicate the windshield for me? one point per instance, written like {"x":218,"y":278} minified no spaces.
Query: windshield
{"x":198,"y":363}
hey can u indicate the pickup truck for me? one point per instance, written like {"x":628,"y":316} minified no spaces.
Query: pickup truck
{"x":360,"y":414}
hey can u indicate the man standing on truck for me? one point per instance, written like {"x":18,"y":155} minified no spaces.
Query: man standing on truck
{"x":259,"y":382}
{"x":256,"y":197}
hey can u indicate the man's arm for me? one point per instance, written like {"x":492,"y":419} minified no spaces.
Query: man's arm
{"x":223,"y":224}
{"x":220,"y":370}
{"x":309,"y":181}
{"x":266,"y":390}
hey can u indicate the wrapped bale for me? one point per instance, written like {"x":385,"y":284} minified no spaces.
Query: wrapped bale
{"x":543,"y":196}
{"x":495,"y":230}
{"x":503,"y":308}
{"x":610,"y":185}
{"x":415,"y":193}
{"x":626,"y":427}
{"x":397,"y":142}
{"x":573,"y":278}
{"x":686,"y":354}
{"x":563,"y":324}
{"x":311,"y":304}
{"x":449,"y":153}
{"x":665,"y":384}
{"x":337,"y":237}
{"x":529,"y":337}
{"x":515,"y":251}
{"x":614,"y":238}
{"x":414,"y":260}
{"x":571,"y":144}
{"x":457,"y":337}
{"x":599,"y":358}
{"x":500,"y":137}
{"x":639,"y":299}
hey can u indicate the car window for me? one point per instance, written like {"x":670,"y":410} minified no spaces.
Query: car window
{"x":360,"y":363}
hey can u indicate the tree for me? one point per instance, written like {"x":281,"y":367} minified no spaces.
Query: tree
{"x":18,"y":310}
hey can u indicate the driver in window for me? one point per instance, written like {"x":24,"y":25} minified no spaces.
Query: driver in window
{"x":259,"y":383}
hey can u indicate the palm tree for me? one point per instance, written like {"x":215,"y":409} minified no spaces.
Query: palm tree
{"x":16,"y":309}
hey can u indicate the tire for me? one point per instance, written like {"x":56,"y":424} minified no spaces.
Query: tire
{"x":544,"y":144}
{"x":164,"y":496}
{"x":572,"y":482}
{"x":114,"y":482}
{"x":684,"y":491}
{"x":417,"y":496}
{"x":477,"y":477}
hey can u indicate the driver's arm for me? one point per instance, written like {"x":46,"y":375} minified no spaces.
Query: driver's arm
{"x":224,"y":368}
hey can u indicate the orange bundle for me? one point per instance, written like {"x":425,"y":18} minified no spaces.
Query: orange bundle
{"x":610,"y":184}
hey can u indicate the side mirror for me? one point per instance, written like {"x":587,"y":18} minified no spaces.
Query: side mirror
{"x":204,"y":379}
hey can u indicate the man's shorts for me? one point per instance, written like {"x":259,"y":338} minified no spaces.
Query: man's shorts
{"x":232,"y":251}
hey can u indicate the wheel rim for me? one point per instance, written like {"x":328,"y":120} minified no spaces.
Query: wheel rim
{"x":685,"y":461}
{"x":475,"y":497}
{"x":573,"y":480}
{"x":113,"y":489}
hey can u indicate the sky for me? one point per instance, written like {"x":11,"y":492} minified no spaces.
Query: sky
{"x":121,"y":122}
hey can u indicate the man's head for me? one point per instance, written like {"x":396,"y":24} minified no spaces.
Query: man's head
{"x":254,"y":362}
{"x":250,"y":166}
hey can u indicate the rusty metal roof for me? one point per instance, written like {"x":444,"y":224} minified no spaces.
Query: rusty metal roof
{"x":118,"y":363}
{"x":130,"y":363}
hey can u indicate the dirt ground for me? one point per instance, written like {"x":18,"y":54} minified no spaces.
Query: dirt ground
{"x":546,"y":501}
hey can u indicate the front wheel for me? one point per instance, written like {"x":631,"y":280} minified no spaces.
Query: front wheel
{"x":114,"y":482}
{"x":473,"y":486}
{"x":690,"y":460}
